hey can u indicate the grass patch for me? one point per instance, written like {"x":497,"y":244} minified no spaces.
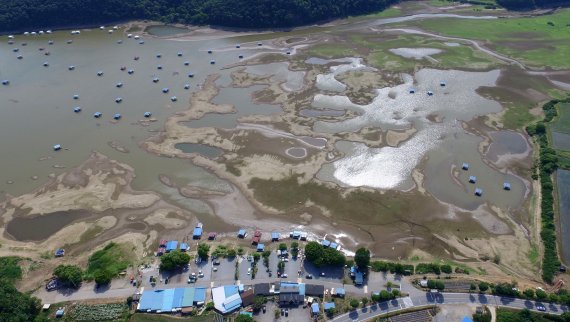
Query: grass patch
{"x":517,"y":116}
{"x":112,"y":259}
{"x":332,"y":51}
{"x":538,"y":41}
{"x":10,"y":271}
{"x":90,"y":233}
{"x":562,"y":122}
{"x":534,"y":256}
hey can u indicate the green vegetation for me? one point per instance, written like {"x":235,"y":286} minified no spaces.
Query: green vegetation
{"x":332,"y":51}
{"x":28,"y":14}
{"x":244,"y":318}
{"x":203,"y":250}
{"x":142,"y":317}
{"x":223,"y":251}
{"x":547,"y":165}
{"x":507,"y":315}
{"x":99,"y":312}
{"x":562,"y":121}
{"x":354,"y":303}
{"x":394,"y":268}
{"x":537,"y":41}
{"x":383,"y":295}
{"x":174,"y":260}
{"x":108,"y":262}
{"x":10,"y":271}
{"x":483,"y":317}
{"x":70,"y":275}
{"x":323,"y":256}
{"x":362,"y":258}
{"x":15,"y":306}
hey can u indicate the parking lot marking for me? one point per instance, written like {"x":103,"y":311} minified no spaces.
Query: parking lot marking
{"x":365,"y":289}
{"x":408,"y":302}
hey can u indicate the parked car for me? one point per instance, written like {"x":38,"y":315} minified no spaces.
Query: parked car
{"x":284,"y":276}
{"x":309,"y":276}
{"x":282,"y":312}
{"x":541,"y":308}
{"x":286,"y":312}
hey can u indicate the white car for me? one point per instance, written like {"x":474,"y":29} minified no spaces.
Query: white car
{"x":541,"y":308}
{"x":249,"y":270}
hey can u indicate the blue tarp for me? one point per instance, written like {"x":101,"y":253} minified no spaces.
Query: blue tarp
{"x":339,"y":291}
{"x":171,"y":245}
{"x":200,"y":295}
{"x":302,"y":289}
{"x":333,"y":245}
{"x":466,"y":319}
{"x":274,"y":236}
{"x":260,"y":247}
{"x":329,"y":305}
{"x":325,"y":243}
{"x":315,"y":308}
{"x":241,"y":233}
{"x":197,"y":232}
{"x":296,"y":234}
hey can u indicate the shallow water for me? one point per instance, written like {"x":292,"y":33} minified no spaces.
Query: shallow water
{"x":41,"y":227}
{"x":292,"y":80}
{"x":310,"y":112}
{"x":416,"y":53}
{"x":563,"y":180}
{"x":207,"y":151}
{"x":165,"y":30}
{"x":506,"y":143}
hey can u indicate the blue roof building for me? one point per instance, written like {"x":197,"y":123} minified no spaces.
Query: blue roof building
{"x":226,"y":298}
{"x":183,"y":247}
{"x":506,"y":186}
{"x":274,"y":236}
{"x":197,"y":234}
{"x":315,"y":308}
{"x":260,"y":247}
{"x":333,"y":245}
{"x":171,"y":299}
{"x":328,"y":305}
{"x":465,"y":166}
{"x":339,"y":291}
{"x":472,"y":179}
{"x":171,"y":245}
{"x":242,"y":233}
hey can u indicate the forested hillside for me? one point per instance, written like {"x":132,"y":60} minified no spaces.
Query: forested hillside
{"x":531,"y":4}
{"x":44,"y":14}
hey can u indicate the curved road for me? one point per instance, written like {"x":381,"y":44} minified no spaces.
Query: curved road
{"x":431,"y":299}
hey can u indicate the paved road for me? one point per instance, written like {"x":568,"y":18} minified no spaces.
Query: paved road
{"x":430,"y":299}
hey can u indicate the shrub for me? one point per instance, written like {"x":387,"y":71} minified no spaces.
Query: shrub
{"x":71,"y":275}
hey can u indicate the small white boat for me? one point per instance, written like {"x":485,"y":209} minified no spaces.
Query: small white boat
{"x":97,"y":115}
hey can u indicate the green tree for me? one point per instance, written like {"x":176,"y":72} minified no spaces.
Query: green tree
{"x":440,"y":285}
{"x":396,"y":292}
{"x":258,"y":302}
{"x":9,"y":268}
{"x":294,"y":245}
{"x":483,"y":287}
{"x":472,"y":287}
{"x":173,"y":260}
{"x":203,"y":250}
{"x":385,"y":295}
{"x":362,"y":258}
{"x":266,"y":254}
{"x":313,"y":251}
{"x":231,"y":252}
{"x":103,"y":277}
{"x":541,"y":295}
{"x":282,"y":246}
{"x":354,"y":303}
{"x":529,"y":293}
{"x":364,"y":301}
{"x":240,"y":251}
{"x":256,"y":257}
{"x":16,"y":306}
{"x":244,"y":318}
{"x":446,"y":269}
{"x":71,"y":275}
{"x":431,"y":284}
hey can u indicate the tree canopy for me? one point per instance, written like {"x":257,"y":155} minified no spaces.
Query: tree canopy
{"x":362,"y":258}
{"x":71,"y":275}
{"x":323,"y":256}
{"x":16,"y":306}
{"x":173,"y":260}
{"x":43,"y":14}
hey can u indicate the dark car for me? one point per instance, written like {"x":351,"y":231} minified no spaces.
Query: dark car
{"x":309,"y":276}
{"x":286,"y":312}
{"x":264,"y":309}
{"x":166,"y":281}
{"x":541,"y":308}
{"x":282,"y":312}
